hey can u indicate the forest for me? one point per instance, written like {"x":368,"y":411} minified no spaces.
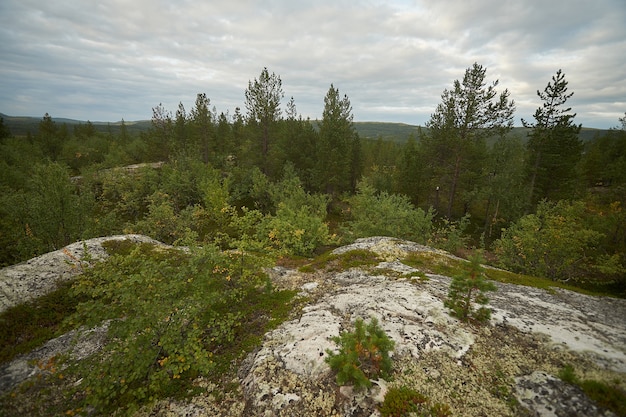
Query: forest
{"x":264,"y":179}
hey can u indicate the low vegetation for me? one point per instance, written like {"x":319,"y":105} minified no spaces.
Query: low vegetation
{"x":607,"y":396}
{"x":363,"y":355}
{"x":404,"y":401}
{"x":243,"y":190}
{"x":175,"y":316}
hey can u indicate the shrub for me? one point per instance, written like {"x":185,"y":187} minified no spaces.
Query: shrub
{"x":363,"y":355}
{"x":171,"y":314}
{"x":553,"y":243}
{"x":450,"y":235}
{"x":385,"y":214}
{"x":467,"y":288}
{"x":293,"y":225}
{"x":401,"y":401}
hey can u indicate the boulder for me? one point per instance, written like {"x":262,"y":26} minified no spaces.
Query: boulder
{"x":38,"y":276}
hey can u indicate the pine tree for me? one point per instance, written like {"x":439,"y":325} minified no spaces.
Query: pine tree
{"x":468,"y":288}
{"x":50,"y":137}
{"x":339,"y":159}
{"x":554,"y":147}
{"x":410,"y":172}
{"x":455,"y":142}
{"x":298,"y":144}
{"x":263,"y":98}
{"x":202,"y":123}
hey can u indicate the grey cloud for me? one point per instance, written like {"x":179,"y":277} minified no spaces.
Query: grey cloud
{"x":113,"y":58}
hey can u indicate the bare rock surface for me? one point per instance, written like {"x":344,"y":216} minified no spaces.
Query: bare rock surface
{"x":508,"y":367}
{"x":35,"y":277}
{"x":288,"y":376}
{"x":78,"y":344}
{"x":548,"y":396}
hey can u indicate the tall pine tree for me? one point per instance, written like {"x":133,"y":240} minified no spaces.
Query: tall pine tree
{"x":263,"y":98}
{"x":553,"y":146}
{"x":455,"y":143}
{"x":339,"y":159}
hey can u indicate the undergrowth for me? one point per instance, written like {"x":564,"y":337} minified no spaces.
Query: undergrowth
{"x":404,"y":401}
{"x":607,"y":396}
{"x":174,"y":316}
{"x":341,"y":262}
{"x":440,"y":264}
{"x":29,"y":325}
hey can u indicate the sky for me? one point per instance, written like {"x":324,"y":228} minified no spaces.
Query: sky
{"x":110,"y":60}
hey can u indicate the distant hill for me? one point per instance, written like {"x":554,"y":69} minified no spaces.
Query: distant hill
{"x":22,"y":125}
{"x":396,"y":132}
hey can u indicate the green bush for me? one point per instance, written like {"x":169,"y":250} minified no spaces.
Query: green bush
{"x":552,"y":243}
{"x":450,"y":235}
{"x":404,"y":401}
{"x":468,"y":288}
{"x":363,"y":355}
{"x":293,"y":225}
{"x":386,"y":214}
{"x":171,"y":313}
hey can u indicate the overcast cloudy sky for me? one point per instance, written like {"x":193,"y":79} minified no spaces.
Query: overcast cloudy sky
{"x":111,"y":59}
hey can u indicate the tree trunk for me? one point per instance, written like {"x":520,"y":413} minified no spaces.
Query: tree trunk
{"x":455,"y":180}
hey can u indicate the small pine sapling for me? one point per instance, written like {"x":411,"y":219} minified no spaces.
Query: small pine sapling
{"x":363,"y":355}
{"x":470,"y":287}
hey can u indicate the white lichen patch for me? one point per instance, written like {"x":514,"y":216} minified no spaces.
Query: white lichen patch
{"x":572,"y":321}
{"x":484,"y":381}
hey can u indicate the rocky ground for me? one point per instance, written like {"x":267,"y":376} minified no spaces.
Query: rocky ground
{"x":37,"y":276}
{"x":508,"y":367}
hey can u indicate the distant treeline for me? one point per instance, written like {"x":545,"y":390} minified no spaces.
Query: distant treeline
{"x":547,"y":198}
{"x":396,"y":132}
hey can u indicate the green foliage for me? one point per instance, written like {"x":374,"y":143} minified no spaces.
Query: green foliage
{"x":554,"y":148}
{"x":26,"y":326}
{"x":607,"y":396}
{"x":123,"y":195}
{"x":604,"y":162}
{"x":294,"y":224}
{"x":450,"y":235}
{"x":50,"y":212}
{"x":404,"y":401}
{"x":350,"y":259}
{"x":468,"y":288}
{"x":169,"y":314}
{"x":552,"y":243}
{"x":385,"y":214}
{"x":567,"y":374}
{"x":454,"y":145}
{"x":263,"y":98}
{"x":161,"y":222}
{"x":338,"y":163}
{"x":504,"y":193}
{"x":363,"y":355}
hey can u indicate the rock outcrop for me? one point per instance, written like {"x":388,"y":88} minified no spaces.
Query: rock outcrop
{"x":40,"y":275}
{"x":531,"y":331}
{"x":508,"y":367}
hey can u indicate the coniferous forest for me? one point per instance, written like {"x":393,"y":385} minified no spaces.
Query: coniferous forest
{"x":266,"y":179}
{"x":263,"y":186}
